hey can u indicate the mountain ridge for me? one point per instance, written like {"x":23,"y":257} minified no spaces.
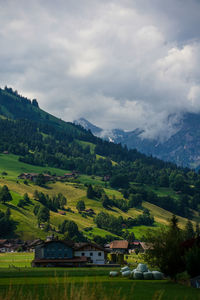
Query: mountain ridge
{"x":182,"y":147}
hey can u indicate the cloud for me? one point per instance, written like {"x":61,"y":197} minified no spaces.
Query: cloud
{"x":120,"y":64}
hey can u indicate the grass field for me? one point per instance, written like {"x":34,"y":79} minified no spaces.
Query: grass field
{"x":21,"y":259}
{"x":26,"y":221}
{"x":85,"y":283}
{"x":9,"y":163}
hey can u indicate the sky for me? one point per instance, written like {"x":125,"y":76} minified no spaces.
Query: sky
{"x":120,"y":64}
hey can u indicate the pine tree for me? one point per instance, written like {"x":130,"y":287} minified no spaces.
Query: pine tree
{"x":5,"y":195}
{"x":189,"y":230}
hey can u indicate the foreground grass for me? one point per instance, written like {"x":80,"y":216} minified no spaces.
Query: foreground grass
{"x":85,"y":283}
{"x":21,"y":259}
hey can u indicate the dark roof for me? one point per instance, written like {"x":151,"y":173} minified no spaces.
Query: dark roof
{"x":3,"y":241}
{"x":119,"y":244}
{"x":67,"y":243}
{"x":80,"y":246}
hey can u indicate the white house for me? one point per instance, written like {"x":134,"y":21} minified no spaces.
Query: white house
{"x":95,"y":253}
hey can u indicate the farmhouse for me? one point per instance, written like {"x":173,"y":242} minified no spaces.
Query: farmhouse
{"x":56,"y":253}
{"x":119,"y":246}
{"x":94,"y":253}
{"x":33,"y":176}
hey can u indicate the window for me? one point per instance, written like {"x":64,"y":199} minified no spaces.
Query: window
{"x":99,"y":253}
{"x":91,"y":254}
{"x":83,"y":254}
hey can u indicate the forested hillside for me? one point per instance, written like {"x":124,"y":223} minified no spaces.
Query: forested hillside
{"x":40,"y":140}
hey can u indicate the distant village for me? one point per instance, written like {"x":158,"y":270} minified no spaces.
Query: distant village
{"x":60,"y":253}
{"x":47,"y":177}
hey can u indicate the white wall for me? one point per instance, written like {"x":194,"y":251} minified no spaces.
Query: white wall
{"x":95,"y":257}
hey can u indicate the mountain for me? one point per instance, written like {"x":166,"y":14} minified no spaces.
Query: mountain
{"x":182,"y":147}
{"x":88,"y":126}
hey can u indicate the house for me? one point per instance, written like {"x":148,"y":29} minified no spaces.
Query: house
{"x":119,"y":246}
{"x":94,"y":253}
{"x":33,"y":176}
{"x":106,"y":177}
{"x":57,"y":253}
{"x":73,"y":174}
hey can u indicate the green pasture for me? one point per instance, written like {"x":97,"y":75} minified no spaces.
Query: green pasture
{"x":85,"y":283}
{"x":20,"y":259}
{"x":9,"y":163}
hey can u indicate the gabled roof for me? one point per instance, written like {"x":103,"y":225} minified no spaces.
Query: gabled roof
{"x":67,"y":243}
{"x":119,"y":244}
{"x":82,"y":246}
{"x":3,"y":241}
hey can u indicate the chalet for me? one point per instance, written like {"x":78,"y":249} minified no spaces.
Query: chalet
{"x":33,"y":176}
{"x":57,"y":253}
{"x":90,"y":212}
{"x":95,"y":254}
{"x":119,"y":246}
{"x":137,"y":246}
{"x":73,"y":174}
{"x":106,"y":177}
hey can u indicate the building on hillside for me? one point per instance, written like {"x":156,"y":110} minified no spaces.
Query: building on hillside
{"x":33,"y":176}
{"x":119,"y":246}
{"x":94,"y":253}
{"x":57,"y":253}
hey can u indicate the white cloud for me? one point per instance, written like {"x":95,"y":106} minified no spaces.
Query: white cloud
{"x":121,"y":64}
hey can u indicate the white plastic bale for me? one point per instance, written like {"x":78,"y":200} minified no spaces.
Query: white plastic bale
{"x":138,"y":275}
{"x":126,"y":273}
{"x":113,"y":274}
{"x":142,"y":268}
{"x":148,"y":275}
{"x":124,"y":269}
{"x":157,"y":275}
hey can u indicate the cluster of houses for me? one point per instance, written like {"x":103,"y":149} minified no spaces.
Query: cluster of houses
{"x":55,"y":252}
{"x":47,"y":177}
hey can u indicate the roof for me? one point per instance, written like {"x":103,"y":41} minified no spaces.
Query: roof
{"x":3,"y":241}
{"x":146,"y":246}
{"x":82,"y":246}
{"x":67,"y":243}
{"x":119,"y":244}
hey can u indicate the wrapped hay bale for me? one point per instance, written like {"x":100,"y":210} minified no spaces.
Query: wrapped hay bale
{"x":124,"y":269}
{"x":126,"y":273}
{"x":157,"y":275}
{"x":142,"y":268}
{"x":138,"y":275}
{"x":113,"y":274}
{"x":147,"y":275}
{"x":132,"y":274}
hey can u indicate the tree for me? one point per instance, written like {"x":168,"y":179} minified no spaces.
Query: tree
{"x":5,"y":195}
{"x":80,"y":205}
{"x":43,"y":214}
{"x":40,"y":180}
{"x":90,"y":192}
{"x":197,"y":231}
{"x":62,"y":200}
{"x":26,"y":198}
{"x":105,"y":201}
{"x":189,"y":230}
{"x":165,"y":251}
{"x":192,"y":261}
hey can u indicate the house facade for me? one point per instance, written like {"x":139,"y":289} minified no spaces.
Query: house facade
{"x":94,"y":253}
{"x":56,"y":253}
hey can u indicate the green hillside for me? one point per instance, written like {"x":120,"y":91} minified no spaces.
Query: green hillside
{"x":136,"y":187}
{"x":27,"y":227}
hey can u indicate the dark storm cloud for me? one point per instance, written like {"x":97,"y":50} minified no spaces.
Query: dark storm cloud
{"x":118,"y":63}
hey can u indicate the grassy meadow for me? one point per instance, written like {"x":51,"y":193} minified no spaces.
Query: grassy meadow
{"x":73,"y":191}
{"x":85,"y":283}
